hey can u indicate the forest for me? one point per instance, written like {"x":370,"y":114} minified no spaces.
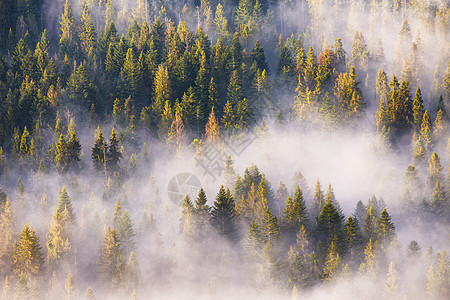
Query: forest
{"x":224,"y":149}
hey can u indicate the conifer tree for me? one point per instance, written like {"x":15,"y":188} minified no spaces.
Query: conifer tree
{"x":332,"y":263}
{"x":418,"y":110}
{"x":64,"y":203}
{"x":202,"y":213}
{"x":73,"y":151}
{"x":113,"y":153}
{"x":439,"y":202}
{"x":212,"y":128}
{"x":7,"y":231}
{"x":330,"y":224}
{"x":391,"y":287}
{"x":187,"y":219}
{"x":437,"y":282}
{"x":425,"y":132}
{"x":370,"y":224}
{"x":110,"y":261}
{"x":295,"y":212}
{"x":61,"y":154}
{"x":318,"y":200}
{"x":99,"y":151}
{"x":370,"y":265}
{"x":125,"y":233}
{"x":58,"y":244}
{"x":70,"y":288}
{"x":385,"y":228}
{"x":86,"y":31}
{"x":270,"y":228}
{"x":434,"y":171}
{"x":26,"y":255}
{"x":223,"y":214}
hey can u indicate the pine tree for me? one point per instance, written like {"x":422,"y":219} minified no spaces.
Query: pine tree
{"x":113,"y":153}
{"x":332,"y":263}
{"x":434,"y":171}
{"x":418,"y":110}
{"x":73,"y":151}
{"x":353,"y":236}
{"x":64,"y":203}
{"x":110,"y":261}
{"x":370,"y":224}
{"x":439,"y":202}
{"x":425,"y":132}
{"x":61,"y":154}
{"x":229,"y":173}
{"x":295,"y":212}
{"x":125,"y":233}
{"x":68,"y":31}
{"x":8,"y":230}
{"x":58,"y":245}
{"x":437,"y":284}
{"x":187,"y":219}
{"x":202,"y":213}
{"x":330,"y":224}
{"x":26,"y":255}
{"x":223,"y":214}
{"x":318,"y":200}
{"x":212,"y":128}
{"x":86,"y":31}
{"x":259,"y":58}
{"x":99,"y":151}
{"x":385,"y":228}
{"x":270,"y":229}
{"x":24,"y":143}
{"x":70,"y":288}
{"x":370,"y":265}
{"x":391,"y":287}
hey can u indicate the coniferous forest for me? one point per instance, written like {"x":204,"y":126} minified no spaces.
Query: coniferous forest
{"x":224,"y":149}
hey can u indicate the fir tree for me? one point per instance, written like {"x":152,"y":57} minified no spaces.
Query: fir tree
{"x":110,"y":261}
{"x":26,"y":255}
{"x":223,"y":214}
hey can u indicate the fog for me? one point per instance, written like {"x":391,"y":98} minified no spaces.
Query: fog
{"x":353,"y":159}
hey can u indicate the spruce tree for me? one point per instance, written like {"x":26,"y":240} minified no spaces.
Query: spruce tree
{"x":113,"y":154}
{"x":26,"y":255}
{"x":110,"y":261}
{"x":223,"y":214}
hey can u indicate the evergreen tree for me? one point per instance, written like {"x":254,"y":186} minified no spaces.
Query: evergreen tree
{"x":295,"y":212}
{"x":370,"y":265}
{"x":26,"y":255}
{"x":418,"y":110}
{"x":270,"y":229}
{"x":8,"y":230}
{"x":70,"y":288}
{"x":437,"y":284}
{"x":330,"y":224}
{"x":202,"y":213}
{"x":332,"y":263}
{"x":61,"y":157}
{"x":110,"y":261}
{"x":99,"y":151}
{"x":64,"y":203}
{"x":58,"y":245}
{"x":439,"y":202}
{"x":73,"y":151}
{"x":318,"y":200}
{"x":385,"y":228}
{"x":125,"y":233}
{"x":187,"y":219}
{"x":113,"y":153}
{"x":223,"y":214}
{"x":391,"y":287}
